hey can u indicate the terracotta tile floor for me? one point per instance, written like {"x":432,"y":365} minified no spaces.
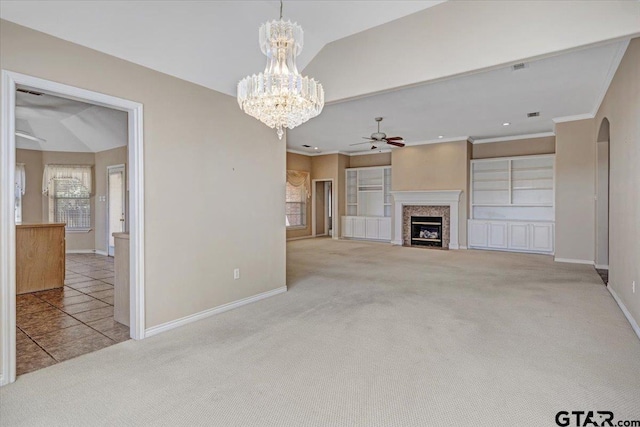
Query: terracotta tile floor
{"x":63,"y":323}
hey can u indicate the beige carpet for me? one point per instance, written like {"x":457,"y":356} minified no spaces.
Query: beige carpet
{"x":368,"y":335}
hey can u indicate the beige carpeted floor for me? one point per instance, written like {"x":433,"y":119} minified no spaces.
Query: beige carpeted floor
{"x":368,"y":335}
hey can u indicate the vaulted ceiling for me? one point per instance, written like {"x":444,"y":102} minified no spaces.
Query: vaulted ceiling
{"x":431,"y":68}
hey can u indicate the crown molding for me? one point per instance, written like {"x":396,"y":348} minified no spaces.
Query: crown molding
{"x":617,"y":59}
{"x":513,"y":138}
{"x":573,"y":118}
{"x":438,"y":141}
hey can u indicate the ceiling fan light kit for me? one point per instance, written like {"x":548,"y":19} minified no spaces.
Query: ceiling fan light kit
{"x":378,"y":136}
{"x":280,"y":97}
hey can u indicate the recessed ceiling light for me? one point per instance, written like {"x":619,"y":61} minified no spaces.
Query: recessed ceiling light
{"x":315,"y":148}
{"x":440,"y":136}
{"x":506,"y":124}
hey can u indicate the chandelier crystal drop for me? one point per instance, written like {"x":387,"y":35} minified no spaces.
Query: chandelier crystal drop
{"x":280,"y":97}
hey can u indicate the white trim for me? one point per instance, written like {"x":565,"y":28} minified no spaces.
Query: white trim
{"x":300,"y":238}
{"x":532,"y":156}
{"x":602,"y":267}
{"x":437,"y":141}
{"x":613,"y":67}
{"x":513,"y":138}
{"x":108,"y":233}
{"x":564,"y":119}
{"x":463,"y":247}
{"x":370,"y":152}
{"x":155,"y":330}
{"x":573,"y":261}
{"x":627,"y":314}
{"x":134,"y":111}
{"x":449,"y":198}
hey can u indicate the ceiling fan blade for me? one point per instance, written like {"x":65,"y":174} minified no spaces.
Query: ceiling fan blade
{"x":358,"y":143}
{"x":397,"y":144}
{"x":394,"y":138}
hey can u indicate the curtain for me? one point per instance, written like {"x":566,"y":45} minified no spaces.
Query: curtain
{"x":299,"y":179}
{"x":80,"y":172}
{"x":21,"y":180}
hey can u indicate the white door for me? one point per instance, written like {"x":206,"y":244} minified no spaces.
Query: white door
{"x":541,"y":237}
{"x":359,"y":228}
{"x":371,"y":228}
{"x":116,"y":218}
{"x":347,"y":226}
{"x":519,"y":236}
{"x":498,"y":235}
{"x":478,"y":234}
{"x":384,"y":229}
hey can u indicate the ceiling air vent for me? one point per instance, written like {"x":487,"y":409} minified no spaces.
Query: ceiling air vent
{"x":306,"y":146}
{"x":520,"y":66}
{"x":534,"y":114}
{"x":30,"y":92}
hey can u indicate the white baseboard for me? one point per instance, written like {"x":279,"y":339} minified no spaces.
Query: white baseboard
{"x":86,"y":251}
{"x":634,"y":324}
{"x":463,"y":247}
{"x":300,"y":238}
{"x":453,"y":246}
{"x":154,"y":330}
{"x":602,"y":267}
{"x":2,"y":380}
{"x":573,"y":261}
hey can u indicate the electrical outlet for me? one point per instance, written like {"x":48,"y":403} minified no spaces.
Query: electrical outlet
{"x":236,"y":274}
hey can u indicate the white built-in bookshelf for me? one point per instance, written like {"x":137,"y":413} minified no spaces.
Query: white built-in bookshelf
{"x":369,"y":203}
{"x":509,"y":193}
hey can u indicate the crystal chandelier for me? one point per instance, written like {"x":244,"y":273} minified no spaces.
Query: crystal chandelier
{"x":280,"y":97}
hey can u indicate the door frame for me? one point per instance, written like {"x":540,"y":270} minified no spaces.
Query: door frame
{"x":134,"y":110}
{"x":124,"y":173}
{"x":313,"y":206}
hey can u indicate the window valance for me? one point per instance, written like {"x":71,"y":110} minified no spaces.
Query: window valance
{"x":82,"y":173}
{"x":21,"y":180}
{"x":300,"y":179}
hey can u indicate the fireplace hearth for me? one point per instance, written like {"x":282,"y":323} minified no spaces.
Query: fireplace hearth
{"x":426,"y":231}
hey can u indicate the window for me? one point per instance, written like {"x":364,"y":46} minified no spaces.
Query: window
{"x":298,"y":185}
{"x":20,"y":187}
{"x":69,"y":191}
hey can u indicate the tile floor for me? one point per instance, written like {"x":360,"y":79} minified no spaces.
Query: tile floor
{"x":63,"y":323}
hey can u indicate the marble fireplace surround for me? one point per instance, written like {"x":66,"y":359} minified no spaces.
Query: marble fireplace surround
{"x":450,"y":198}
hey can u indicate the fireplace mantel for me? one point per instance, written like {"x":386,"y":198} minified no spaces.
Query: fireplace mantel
{"x":449,"y":198}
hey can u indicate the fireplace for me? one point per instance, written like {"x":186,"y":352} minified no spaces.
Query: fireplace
{"x":426,"y":231}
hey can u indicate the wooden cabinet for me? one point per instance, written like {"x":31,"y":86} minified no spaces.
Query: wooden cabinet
{"x":368,"y":203}
{"x":512,"y":236}
{"x":40,"y":257}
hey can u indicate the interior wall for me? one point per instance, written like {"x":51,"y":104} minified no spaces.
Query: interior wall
{"x":575,"y":190}
{"x":209,"y":170}
{"x":300,"y":162}
{"x":442,"y":166}
{"x":103,"y":159}
{"x":519,"y":147}
{"x":602,"y":204}
{"x":367,"y":160}
{"x":621,"y":106}
{"x":32,"y":211}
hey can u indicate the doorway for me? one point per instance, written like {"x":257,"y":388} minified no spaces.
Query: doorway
{"x":11,"y":81}
{"x":116,"y":202}
{"x":602,"y":197}
{"x":322,"y":207}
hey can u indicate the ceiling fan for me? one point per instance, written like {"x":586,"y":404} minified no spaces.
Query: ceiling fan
{"x":381,"y":137}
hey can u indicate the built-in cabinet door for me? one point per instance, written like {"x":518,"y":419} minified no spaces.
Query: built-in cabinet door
{"x":478,"y":234}
{"x":347,"y":227}
{"x":541,"y":237}
{"x":518,"y":236}
{"x":371,"y":229}
{"x":359,"y":227}
{"x":497,"y":235}
{"x":384,"y":229}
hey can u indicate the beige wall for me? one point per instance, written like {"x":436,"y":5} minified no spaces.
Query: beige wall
{"x":520,"y":147}
{"x":209,"y":170}
{"x":575,"y":190}
{"x":366,"y":160}
{"x":434,"y":167}
{"x":103,"y":159}
{"x":300,"y":162}
{"x":621,"y":106}
{"x":32,"y":210}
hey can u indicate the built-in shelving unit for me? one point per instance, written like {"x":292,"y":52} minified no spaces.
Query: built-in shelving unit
{"x":513,"y":197}
{"x":368,"y":203}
